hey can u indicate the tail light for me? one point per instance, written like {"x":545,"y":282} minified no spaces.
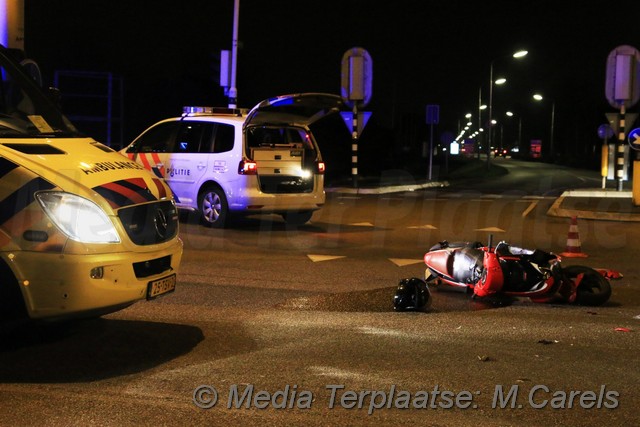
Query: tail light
{"x":247,"y":167}
{"x":320,"y":167}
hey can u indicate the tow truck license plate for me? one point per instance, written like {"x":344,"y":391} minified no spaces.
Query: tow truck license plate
{"x":161,"y":286}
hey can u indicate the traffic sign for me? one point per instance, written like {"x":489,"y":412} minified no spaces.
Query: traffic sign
{"x":622,"y":83}
{"x":363,"y":119}
{"x":433,"y":114}
{"x":356,"y":77}
{"x":634,"y":139}
{"x":605,"y":131}
{"x":614,"y":120}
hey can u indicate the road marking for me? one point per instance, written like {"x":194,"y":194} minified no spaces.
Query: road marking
{"x":362,"y":224}
{"x":369,"y":330}
{"x":530,"y":208}
{"x":494,"y":229}
{"x":330,"y":371}
{"x":426,"y":226}
{"x":319,"y":258}
{"x":401,"y":262}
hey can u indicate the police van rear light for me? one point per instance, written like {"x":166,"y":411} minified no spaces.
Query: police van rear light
{"x":321,"y":167}
{"x":248,"y":167}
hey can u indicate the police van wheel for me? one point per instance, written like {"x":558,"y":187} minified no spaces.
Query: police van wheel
{"x":213,"y":206}
{"x":297,"y":218}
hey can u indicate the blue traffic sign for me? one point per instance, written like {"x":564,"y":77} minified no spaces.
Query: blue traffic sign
{"x":634,"y":139}
{"x":433,"y":114}
{"x":622,"y":84}
{"x":605,"y":131}
{"x":356,"y":77}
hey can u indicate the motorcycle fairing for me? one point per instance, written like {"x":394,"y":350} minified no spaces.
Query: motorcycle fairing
{"x":461,"y":264}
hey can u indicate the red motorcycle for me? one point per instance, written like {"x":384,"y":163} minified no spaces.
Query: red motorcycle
{"x":513,"y":271}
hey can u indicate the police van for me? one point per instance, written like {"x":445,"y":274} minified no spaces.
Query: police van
{"x":222,"y":162}
{"x":84,"y":231}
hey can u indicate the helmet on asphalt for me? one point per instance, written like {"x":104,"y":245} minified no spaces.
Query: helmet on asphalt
{"x":411,"y":295}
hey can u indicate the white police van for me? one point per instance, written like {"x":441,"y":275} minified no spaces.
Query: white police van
{"x":222,"y":162}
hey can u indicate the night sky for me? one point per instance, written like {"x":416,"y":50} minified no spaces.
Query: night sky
{"x":423,"y":52}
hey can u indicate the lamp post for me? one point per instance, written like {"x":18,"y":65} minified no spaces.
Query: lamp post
{"x":517,"y":55}
{"x":519,"y":140}
{"x":539,"y":98}
{"x":233,"y":90}
{"x":481,"y":107}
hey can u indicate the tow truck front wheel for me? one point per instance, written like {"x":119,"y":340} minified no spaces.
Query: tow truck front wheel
{"x":213,"y":206}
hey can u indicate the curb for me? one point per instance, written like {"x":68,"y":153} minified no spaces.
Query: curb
{"x":389,"y":189}
{"x":557,"y":210}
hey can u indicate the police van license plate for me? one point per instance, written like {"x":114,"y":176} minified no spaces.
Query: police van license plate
{"x":161,"y":286}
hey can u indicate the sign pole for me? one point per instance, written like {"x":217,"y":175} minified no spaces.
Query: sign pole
{"x":355,"y":89}
{"x":622,"y":89}
{"x":620,"y":150}
{"x":433,"y":117}
{"x":430,"y":151}
{"x":354,"y":147}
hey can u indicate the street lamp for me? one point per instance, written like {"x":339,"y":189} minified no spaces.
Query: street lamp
{"x":539,"y":98}
{"x":517,"y":55}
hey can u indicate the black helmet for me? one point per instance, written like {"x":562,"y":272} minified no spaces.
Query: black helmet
{"x":411,"y":295}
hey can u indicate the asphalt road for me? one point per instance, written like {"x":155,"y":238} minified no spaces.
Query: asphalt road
{"x":295,"y":326}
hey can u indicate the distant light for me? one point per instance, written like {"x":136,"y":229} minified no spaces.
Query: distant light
{"x":483,"y":107}
{"x":537,"y":97}
{"x":509,"y":113}
{"x":467,"y":116}
{"x":520,"y":54}
{"x":501,"y":81}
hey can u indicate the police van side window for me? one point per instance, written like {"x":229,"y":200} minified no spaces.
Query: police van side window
{"x":191,"y":136}
{"x":224,"y":138}
{"x":158,"y":139}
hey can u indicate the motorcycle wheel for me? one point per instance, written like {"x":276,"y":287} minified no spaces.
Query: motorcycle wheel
{"x":594,"y":288}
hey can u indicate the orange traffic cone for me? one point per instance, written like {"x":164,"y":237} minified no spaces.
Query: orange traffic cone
{"x":573,"y":241}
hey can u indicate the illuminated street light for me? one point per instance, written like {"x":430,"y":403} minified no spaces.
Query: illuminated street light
{"x":517,"y":55}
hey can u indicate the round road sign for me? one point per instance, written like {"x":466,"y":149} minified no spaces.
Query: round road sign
{"x":634,"y":139}
{"x":605,"y":131}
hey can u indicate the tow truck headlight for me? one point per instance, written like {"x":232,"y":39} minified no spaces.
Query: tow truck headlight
{"x":79,"y":218}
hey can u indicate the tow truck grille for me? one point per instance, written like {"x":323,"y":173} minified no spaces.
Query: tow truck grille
{"x":150,"y":223}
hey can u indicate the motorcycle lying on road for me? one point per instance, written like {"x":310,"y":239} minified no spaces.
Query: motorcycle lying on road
{"x":514,"y":271}
{"x":506,"y":270}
